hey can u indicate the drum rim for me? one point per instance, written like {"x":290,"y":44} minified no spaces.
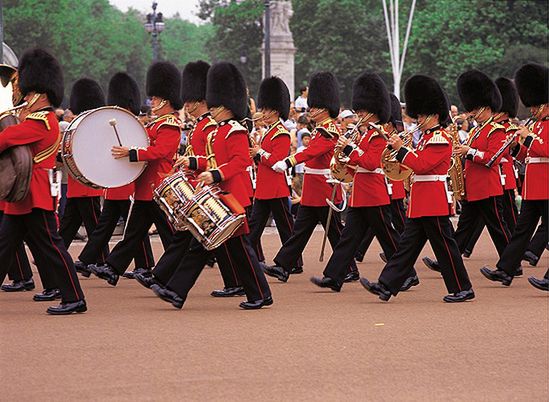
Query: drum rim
{"x":70,"y":129}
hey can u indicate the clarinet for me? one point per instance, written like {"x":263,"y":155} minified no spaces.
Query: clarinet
{"x":505,"y":145}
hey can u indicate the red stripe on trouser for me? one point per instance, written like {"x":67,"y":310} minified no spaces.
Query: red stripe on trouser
{"x":499,"y":221}
{"x":290,"y":226}
{"x":449,"y":254}
{"x":19,"y":264}
{"x":96,"y":222}
{"x":252,"y":268}
{"x":60,"y":256}
{"x":386,"y":228}
{"x":511,"y":202}
{"x":400,"y":214}
{"x":231,"y":263}
{"x":146,"y":256}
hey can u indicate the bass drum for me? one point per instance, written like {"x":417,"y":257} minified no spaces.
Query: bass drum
{"x":87,"y":142}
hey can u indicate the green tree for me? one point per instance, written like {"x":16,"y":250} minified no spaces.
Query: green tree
{"x":183,"y":41}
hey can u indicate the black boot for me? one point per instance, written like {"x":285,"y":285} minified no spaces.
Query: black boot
{"x":377,"y":289}
{"x":18,"y":286}
{"x":105,"y":272}
{"x":68,"y":308}
{"x":497,"y":275}
{"x":326,"y":283}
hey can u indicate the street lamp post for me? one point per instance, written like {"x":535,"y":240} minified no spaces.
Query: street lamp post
{"x":267,"y":38}
{"x":1,"y":32}
{"x":154,"y":25}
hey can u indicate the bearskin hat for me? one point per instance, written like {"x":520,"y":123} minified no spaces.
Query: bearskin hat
{"x":509,"y":96}
{"x":124,"y":92}
{"x":40,"y":72}
{"x":193,"y":81}
{"x":324,"y":93}
{"x":371,"y":94}
{"x":226,"y":87}
{"x":425,"y":96}
{"x":532,"y":81}
{"x":396,"y":110}
{"x":86,"y":94}
{"x":476,"y":90}
{"x":274,"y":94}
{"x":164,"y":81}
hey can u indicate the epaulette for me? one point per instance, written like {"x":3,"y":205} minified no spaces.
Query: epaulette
{"x":170,"y":121}
{"x":374,"y":135}
{"x":280,"y":130}
{"x":40,"y":116}
{"x":211,"y":122}
{"x":332,"y":129}
{"x":511,"y":128}
{"x":437,"y":138}
{"x":235,"y":127}
{"x":495,"y":126}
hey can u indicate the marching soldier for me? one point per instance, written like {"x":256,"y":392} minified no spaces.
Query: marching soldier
{"x":370,"y":199}
{"x":430,"y":204}
{"x":123,"y":92}
{"x":33,"y":218}
{"x":537,"y":246}
{"x":324,"y":102}
{"x":481,"y":98}
{"x":83,"y":202}
{"x":272,"y":191}
{"x":397,"y":193}
{"x":193,"y":96}
{"x":532,"y":81}
{"x":163,"y":86}
{"x":227,"y":155}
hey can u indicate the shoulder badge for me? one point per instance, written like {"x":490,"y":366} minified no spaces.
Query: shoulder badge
{"x":170,"y":121}
{"x":210,"y":123}
{"x":280,"y":130}
{"x":40,"y":116}
{"x":438,"y":138}
{"x":235,"y":127}
{"x":495,"y":126}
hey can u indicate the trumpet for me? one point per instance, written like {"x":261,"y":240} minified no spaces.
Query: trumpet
{"x":338,"y":164}
{"x":392,"y":168}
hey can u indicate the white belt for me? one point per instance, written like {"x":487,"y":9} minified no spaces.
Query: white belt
{"x":320,"y":172}
{"x":430,"y":177}
{"x":362,"y":170}
{"x":537,"y":160}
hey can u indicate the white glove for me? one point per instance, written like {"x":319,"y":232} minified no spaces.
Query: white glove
{"x":263,"y":153}
{"x":279,"y":166}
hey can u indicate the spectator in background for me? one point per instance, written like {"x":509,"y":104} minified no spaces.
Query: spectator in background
{"x":345,"y":118}
{"x":454,"y":111}
{"x":302,"y":128}
{"x":291,"y":123}
{"x":297,"y":181}
{"x":301,"y":105}
{"x":463,"y":129}
{"x":410,"y":126}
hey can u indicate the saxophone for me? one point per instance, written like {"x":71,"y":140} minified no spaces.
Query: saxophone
{"x":455,"y":172}
{"x":338,"y":164}
{"x":392,"y":168}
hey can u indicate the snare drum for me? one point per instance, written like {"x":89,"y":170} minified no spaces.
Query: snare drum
{"x":210,"y":215}
{"x":87,"y":142}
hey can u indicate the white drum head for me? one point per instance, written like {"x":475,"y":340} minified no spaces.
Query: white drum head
{"x":92,"y":142}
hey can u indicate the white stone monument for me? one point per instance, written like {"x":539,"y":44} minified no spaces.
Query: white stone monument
{"x":282,"y":44}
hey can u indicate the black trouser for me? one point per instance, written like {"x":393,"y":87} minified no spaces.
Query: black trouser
{"x":77,"y":211}
{"x":245,"y":262}
{"x":490,"y":211}
{"x":144,"y":214}
{"x":530,"y":213}
{"x":112,"y":211}
{"x":510,"y":215}
{"x":262,"y":209}
{"x":359,"y":221}
{"x":20,"y":269}
{"x":539,"y":241}
{"x":258,"y":248}
{"x":39,"y":229}
{"x":398,"y":217}
{"x":307,"y":219}
{"x":176,"y":251}
{"x":440,"y":233}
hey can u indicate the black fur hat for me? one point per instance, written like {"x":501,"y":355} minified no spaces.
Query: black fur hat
{"x":396,"y":110}
{"x":425,"y":96}
{"x":532,"y":81}
{"x":124,"y":92}
{"x":164,"y":81}
{"x":476,"y":89}
{"x":371,"y":94}
{"x":509,"y":96}
{"x":273,"y":94}
{"x":86,"y":94}
{"x":193,"y":81}
{"x":226,"y":87}
{"x":40,"y":72}
{"x":324,"y":93}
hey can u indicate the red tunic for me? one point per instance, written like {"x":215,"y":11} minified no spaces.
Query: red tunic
{"x":399,"y":192}
{"x":198,"y":136}
{"x":369,"y":185}
{"x":40,"y":130}
{"x":317,"y":157}
{"x":431,"y":160}
{"x":535,"y":152}
{"x":164,"y":135}
{"x":507,"y":166}
{"x":271,"y":184}
{"x":482,"y":182}
{"x":76,"y":189}
{"x":120,"y":193}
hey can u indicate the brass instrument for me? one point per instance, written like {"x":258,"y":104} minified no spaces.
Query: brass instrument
{"x":338,"y":164}
{"x":393,"y":169}
{"x":511,"y":138}
{"x":455,"y":172}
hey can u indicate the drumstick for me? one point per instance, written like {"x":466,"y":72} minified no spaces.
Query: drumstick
{"x":112,"y":122}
